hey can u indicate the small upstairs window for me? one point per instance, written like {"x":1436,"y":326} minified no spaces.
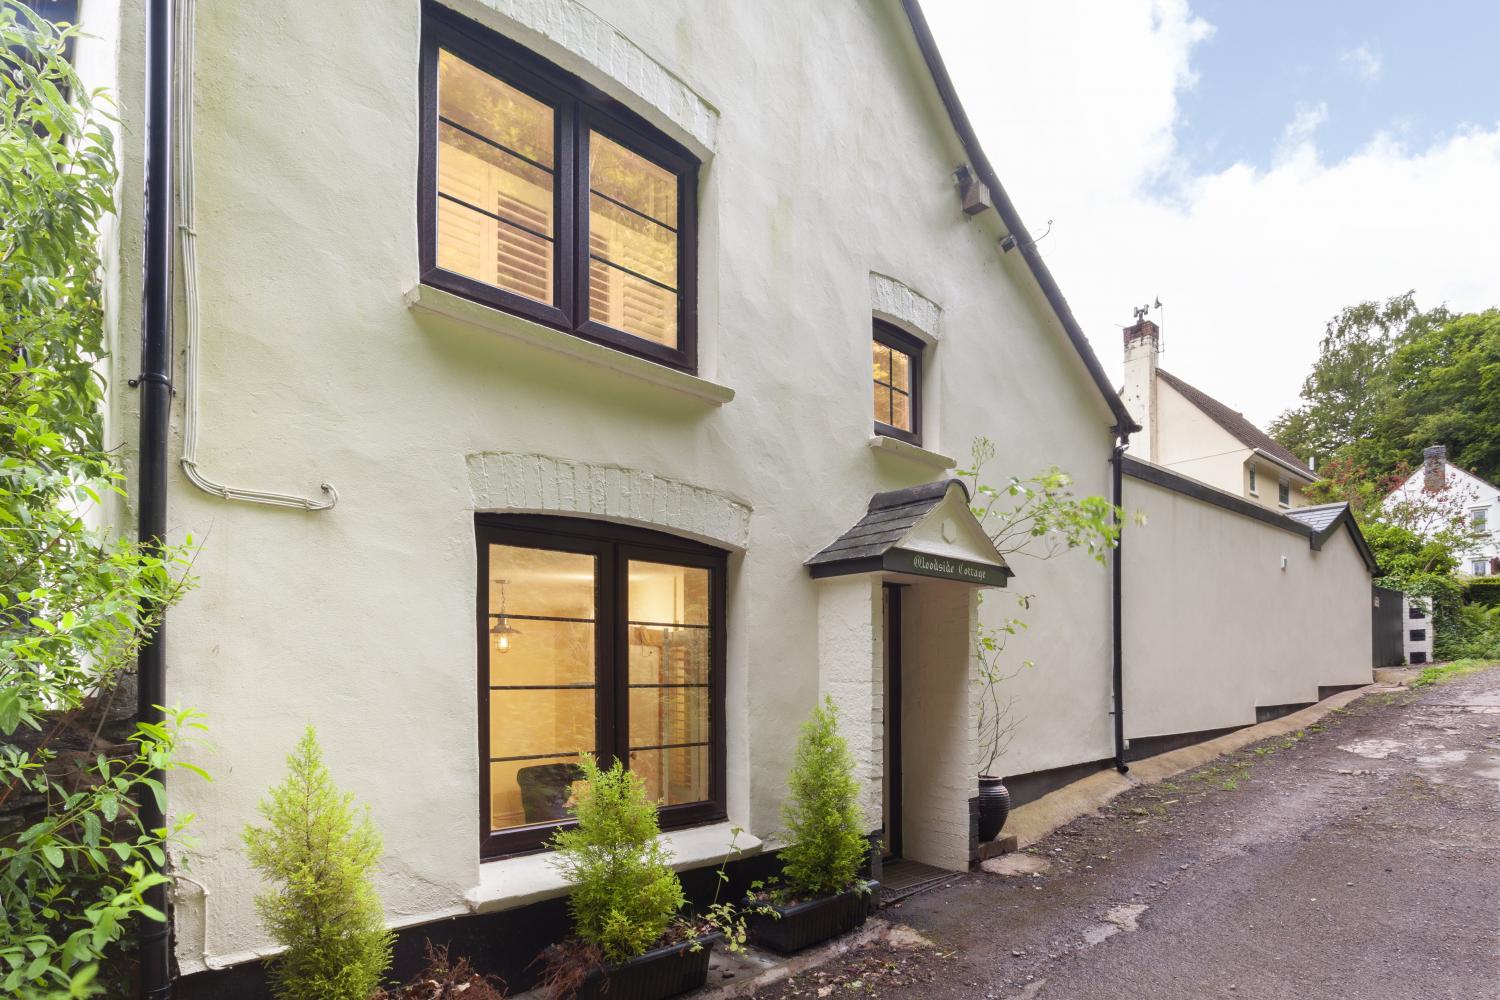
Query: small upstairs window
{"x":898,"y":383}
{"x":1252,"y":482}
{"x":1479,"y":519}
{"x":541,"y":196}
{"x":1284,"y":493}
{"x":1479,"y":566}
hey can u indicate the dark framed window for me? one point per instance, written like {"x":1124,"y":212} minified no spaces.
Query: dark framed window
{"x":541,"y":195}
{"x":898,"y":383}
{"x":595,"y":638}
{"x":1252,"y":481}
{"x":1284,"y":493}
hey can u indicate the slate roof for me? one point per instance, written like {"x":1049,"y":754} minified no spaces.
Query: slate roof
{"x":1320,"y":517}
{"x":1235,"y":423}
{"x":890,"y":516}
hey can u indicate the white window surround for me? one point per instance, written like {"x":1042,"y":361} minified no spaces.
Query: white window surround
{"x":881,"y":444}
{"x":904,"y":306}
{"x":507,"y":883}
{"x":569,"y":34}
{"x":432,"y":302}
{"x":522,"y":482}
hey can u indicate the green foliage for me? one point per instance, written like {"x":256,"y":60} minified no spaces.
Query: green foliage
{"x":1484,"y":590}
{"x":1391,"y":379}
{"x":1446,"y":672}
{"x":1471,"y":632}
{"x":826,"y":847}
{"x":625,"y":892}
{"x":76,"y":602}
{"x":320,"y":853}
{"x":1039,"y":517}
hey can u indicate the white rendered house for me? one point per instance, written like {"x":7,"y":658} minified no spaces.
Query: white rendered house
{"x":1453,"y":489}
{"x":1188,"y":431}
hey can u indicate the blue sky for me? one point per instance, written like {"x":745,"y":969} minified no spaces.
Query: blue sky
{"x":1259,"y":165}
{"x":1415,"y":69}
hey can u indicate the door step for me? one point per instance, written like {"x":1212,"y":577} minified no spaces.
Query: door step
{"x":901,"y":878}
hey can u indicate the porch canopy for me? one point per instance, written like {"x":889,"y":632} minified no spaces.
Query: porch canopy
{"x":922,"y":531}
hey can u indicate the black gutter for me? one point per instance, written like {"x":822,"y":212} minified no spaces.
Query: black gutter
{"x":1009,"y":217}
{"x":155,"y":384}
{"x":1116,"y":471}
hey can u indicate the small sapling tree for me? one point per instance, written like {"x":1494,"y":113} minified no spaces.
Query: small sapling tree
{"x":319,"y":853}
{"x":821,"y":812}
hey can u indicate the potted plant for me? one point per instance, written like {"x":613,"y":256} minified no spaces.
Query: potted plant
{"x":820,"y":894}
{"x":627,"y":944}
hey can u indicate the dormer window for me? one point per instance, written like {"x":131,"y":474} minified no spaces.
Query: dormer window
{"x":898,"y":383}
{"x":543,"y":197}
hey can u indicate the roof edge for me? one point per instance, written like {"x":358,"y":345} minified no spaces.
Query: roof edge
{"x":1009,"y":216}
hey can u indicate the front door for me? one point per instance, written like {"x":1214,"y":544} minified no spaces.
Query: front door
{"x":891,"y":647}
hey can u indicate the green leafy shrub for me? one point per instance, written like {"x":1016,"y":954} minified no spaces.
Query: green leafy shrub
{"x":625,"y":893}
{"x":1485,"y":590}
{"x":77,"y":600}
{"x":324,"y":911}
{"x":826,"y":848}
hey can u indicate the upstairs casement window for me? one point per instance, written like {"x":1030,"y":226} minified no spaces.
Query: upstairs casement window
{"x":1252,"y":481}
{"x":897,"y":364}
{"x":1479,"y":519}
{"x":544,"y":197}
{"x":1284,"y":493}
{"x":601,"y":639}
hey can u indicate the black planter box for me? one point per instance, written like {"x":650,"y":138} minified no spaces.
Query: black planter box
{"x":660,"y":973}
{"x":803,"y":925}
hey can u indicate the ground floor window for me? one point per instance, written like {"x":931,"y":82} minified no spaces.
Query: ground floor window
{"x":601,"y":639}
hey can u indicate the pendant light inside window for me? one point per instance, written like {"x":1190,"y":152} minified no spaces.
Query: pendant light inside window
{"x":502,"y":630}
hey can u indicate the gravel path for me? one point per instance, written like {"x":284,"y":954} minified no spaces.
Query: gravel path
{"x":1359,"y":860}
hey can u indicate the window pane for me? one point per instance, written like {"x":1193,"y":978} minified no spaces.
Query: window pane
{"x":632,"y":242}
{"x":531,"y":791}
{"x":901,"y":371}
{"x":627,"y":303}
{"x":882,"y":363}
{"x":882,"y":403}
{"x":901,"y":411}
{"x":673,"y":777}
{"x":542,"y":696}
{"x":668,"y":594}
{"x":495,"y":219}
{"x":496,"y":110}
{"x":670,"y":644}
{"x":628,"y":177}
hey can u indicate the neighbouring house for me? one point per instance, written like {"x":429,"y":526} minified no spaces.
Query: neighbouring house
{"x":1451,"y":493}
{"x":1188,"y":431}
{"x":556,"y":377}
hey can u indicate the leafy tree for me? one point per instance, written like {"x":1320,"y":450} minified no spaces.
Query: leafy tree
{"x":826,"y":847}
{"x":320,"y":853}
{"x":76,"y":601}
{"x":625,"y":892}
{"x":1344,"y":393}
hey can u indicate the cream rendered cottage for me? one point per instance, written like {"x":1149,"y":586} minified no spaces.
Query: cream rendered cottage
{"x":557,"y":377}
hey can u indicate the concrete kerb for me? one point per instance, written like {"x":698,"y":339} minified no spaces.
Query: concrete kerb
{"x":1035,"y":820}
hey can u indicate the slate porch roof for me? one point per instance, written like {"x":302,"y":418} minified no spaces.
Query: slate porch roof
{"x":891,"y":515}
{"x":1235,"y":423}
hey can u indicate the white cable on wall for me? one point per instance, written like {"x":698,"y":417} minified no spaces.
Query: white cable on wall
{"x":183,"y":84}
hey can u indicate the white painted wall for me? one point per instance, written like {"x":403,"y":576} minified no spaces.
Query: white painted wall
{"x":1466,"y":492}
{"x":1214,"y":627}
{"x":827,"y":159}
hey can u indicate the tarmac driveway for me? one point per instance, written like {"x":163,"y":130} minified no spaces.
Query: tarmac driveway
{"x":1359,"y":860}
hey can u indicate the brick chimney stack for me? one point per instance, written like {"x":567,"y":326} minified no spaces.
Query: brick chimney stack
{"x":1142,"y":349}
{"x":1435,"y":468}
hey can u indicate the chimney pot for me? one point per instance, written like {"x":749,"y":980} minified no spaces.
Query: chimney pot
{"x":1435,"y":468}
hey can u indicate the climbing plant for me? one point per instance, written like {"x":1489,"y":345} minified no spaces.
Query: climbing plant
{"x":76,"y":600}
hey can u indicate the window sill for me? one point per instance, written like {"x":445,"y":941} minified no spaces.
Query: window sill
{"x":882,"y":444}
{"x":435,"y":302}
{"x":512,"y":882}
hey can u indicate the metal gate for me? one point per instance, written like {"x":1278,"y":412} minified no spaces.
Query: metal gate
{"x":1387,"y":623}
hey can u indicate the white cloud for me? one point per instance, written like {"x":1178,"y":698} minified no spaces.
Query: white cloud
{"x":1077,"y":102}
{"x":1362,"y":61}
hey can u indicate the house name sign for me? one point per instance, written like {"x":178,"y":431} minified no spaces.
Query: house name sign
{"x":945,"y":568}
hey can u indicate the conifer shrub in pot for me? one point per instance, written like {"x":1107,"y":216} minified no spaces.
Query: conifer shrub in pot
{"x":627,"y":942}
{"x":820,"y":894}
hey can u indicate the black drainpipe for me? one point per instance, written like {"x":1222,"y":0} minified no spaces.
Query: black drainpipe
{"x":155,"y":384}
{"x":1116,"y":474}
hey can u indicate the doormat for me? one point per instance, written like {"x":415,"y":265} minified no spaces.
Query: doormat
{"x":901,"y":878}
